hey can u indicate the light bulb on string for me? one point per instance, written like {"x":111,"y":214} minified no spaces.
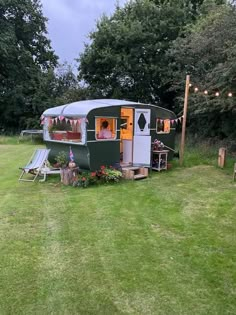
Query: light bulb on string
{"x":217,"y":94}
{"x":205,"y":92}
{"x":230,"y":94}
{"x":190,"y":84}
{"x":196,"y":89}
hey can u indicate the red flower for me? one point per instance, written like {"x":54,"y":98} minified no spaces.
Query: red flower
{"x":93,"y":174}
{"x":103,"y":167}
{"x":83,"y":178}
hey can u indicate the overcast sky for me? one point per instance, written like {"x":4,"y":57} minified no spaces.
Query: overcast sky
{"x":70,"y":22}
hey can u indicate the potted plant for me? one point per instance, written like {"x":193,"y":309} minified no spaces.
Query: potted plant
{"x":61,"y":160}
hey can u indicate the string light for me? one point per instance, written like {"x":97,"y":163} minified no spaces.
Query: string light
{"x":206,"y":92}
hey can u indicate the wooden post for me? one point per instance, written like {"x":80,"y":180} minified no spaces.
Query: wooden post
{"x":184,"y":120}
{"x":222,"y":157}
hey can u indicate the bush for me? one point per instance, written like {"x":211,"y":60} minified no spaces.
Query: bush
{"x":109,"y":174}
{"x":86,"y":179}
{"x":61,"y":159}
{"x":102,"y":176}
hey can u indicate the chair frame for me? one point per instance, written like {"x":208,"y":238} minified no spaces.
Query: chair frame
{"x":35,"y":165}
{"x":46,"y":171}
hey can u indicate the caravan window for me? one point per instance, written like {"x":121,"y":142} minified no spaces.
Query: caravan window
{"x":66,"y":130}
{"x":163,"y":126}
{"x":105,"y":128}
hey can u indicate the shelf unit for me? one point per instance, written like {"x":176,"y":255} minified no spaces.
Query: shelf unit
{"x":159,"y":160}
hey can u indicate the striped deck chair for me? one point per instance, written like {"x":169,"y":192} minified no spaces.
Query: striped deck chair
{"x":35,"y":165}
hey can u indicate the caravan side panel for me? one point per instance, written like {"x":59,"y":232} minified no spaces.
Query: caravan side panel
{"x":81,"y":153}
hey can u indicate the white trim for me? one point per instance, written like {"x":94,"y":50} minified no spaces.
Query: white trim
{"x":103,"y":140}
{"x":162,"y":133}
{"x":115,"y":117}
{"x":66,"y":142}
{"x":93,"y":130}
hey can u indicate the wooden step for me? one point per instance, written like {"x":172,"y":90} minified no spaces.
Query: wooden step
{"x":131,"y":168}
{"x":135,"y":172}
{"x":139,"y":176}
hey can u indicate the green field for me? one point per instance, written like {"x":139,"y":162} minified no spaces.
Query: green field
{"x":164,"y":245}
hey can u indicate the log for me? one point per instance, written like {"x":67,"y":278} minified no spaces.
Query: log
{"x":69,"y":175}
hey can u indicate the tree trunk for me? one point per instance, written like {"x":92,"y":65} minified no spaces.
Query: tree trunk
{"x":68,"y":175}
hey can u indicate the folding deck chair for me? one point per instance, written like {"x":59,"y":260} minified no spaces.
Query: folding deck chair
{"x":35,"y":165}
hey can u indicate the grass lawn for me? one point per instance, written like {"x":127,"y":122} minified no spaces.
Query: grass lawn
{"x":163,"y":245}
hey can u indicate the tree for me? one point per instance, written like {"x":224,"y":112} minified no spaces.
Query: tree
{"x":26,"y":58}
{"x":67,"y":87}
{"x":127,"y":54}
{"x":208,"y":54}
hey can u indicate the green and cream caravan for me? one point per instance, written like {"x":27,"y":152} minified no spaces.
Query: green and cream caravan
{"x":133,"y":128}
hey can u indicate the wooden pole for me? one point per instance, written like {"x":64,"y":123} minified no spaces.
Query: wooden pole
{"x":184,"y":120}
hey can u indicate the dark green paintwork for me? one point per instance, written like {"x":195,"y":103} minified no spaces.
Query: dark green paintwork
{"x":81,"y":153}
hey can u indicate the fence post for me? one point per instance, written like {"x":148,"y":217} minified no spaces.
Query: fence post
{"x":222,"y":157}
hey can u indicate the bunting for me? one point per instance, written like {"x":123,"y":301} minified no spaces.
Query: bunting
{"x":172,"y":121}
{"x":59,"y":119}
{"x":42,"y":121}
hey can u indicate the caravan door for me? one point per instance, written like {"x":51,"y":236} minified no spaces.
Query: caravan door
{"x":142,"y":138}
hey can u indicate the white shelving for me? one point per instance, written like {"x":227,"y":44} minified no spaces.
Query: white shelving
{"x":159,"y":160}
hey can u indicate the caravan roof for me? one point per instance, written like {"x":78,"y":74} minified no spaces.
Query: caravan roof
{"x":82,"y":108}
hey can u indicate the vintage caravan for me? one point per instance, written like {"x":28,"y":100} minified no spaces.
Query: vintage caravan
{"x":131,"y":129}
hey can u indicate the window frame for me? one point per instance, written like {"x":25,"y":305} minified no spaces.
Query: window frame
{"x":163,"y":122}
{"x":115,"y":127}
{"x":47,"y":136}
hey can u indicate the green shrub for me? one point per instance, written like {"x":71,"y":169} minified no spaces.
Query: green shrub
{"x":86,"y":179}
{"x":102,"y":176}
{"x":61,"y":159}
{"x":109,"y":174}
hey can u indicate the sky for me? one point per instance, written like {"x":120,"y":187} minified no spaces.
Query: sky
{"x":70,"y":21}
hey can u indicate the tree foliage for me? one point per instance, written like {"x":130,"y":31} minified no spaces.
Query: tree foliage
{"x":144,"y":51}
{"x":67,"y":88}
{"x":26,"y":62}
{"x":127,"y":54}
{"x":208,"y":54}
